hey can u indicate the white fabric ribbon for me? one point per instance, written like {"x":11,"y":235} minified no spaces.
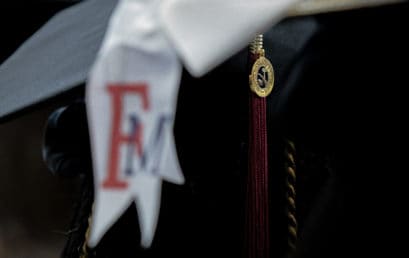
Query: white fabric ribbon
{"x":131,"y":102}
{"x":207,"y":32}
{"x":132,"y":93}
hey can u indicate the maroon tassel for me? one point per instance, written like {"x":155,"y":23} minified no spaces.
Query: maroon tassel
{"x":257,"y":215}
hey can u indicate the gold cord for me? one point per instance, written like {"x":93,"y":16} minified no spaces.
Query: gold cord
{"x":84,"y":249}
{"x":291,"y":195}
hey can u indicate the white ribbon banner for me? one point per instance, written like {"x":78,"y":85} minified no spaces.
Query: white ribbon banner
{"x":131,"y":98}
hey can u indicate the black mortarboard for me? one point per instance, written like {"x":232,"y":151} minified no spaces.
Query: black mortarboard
{"x":56,"y":58}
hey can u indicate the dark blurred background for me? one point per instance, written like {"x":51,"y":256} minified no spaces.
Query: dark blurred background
{"x":35,"y":206}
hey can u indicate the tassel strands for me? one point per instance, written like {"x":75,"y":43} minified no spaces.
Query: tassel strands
{"x":257,"y":203}
{"x":257,"y":184}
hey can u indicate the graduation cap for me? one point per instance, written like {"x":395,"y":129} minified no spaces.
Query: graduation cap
{"x":59,"y":55}
{"x":74,"y":72}
{"x":56,"y":58}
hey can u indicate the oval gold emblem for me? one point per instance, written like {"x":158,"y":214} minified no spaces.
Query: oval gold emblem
{"x":262,"y":77}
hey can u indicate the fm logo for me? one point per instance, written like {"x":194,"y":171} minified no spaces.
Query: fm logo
{"x":134,"y":139}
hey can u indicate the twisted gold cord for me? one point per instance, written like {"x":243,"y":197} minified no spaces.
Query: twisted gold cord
{"x":84,"y":249}
{"x":291,"y":194}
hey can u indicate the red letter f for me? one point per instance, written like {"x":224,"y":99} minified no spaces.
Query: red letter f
{"x":117,"y":93}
